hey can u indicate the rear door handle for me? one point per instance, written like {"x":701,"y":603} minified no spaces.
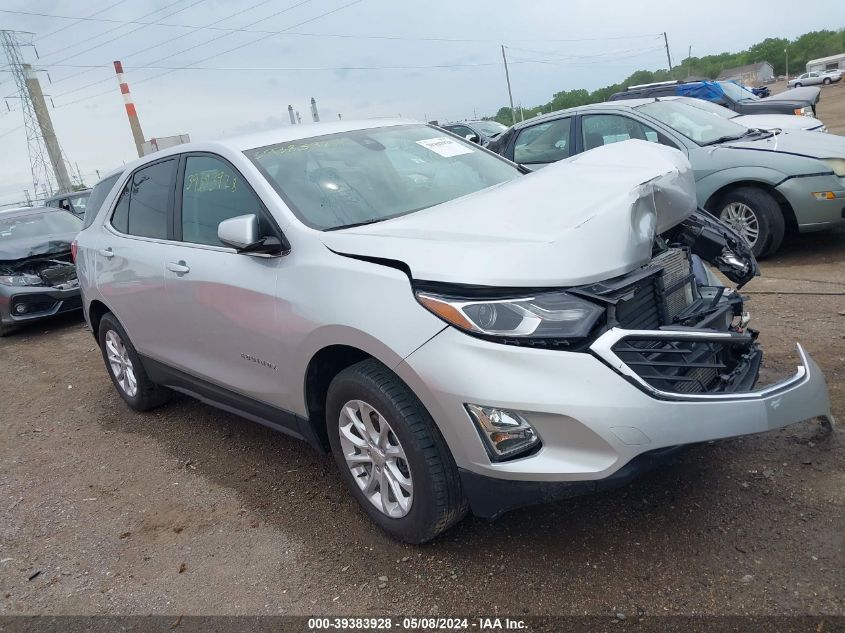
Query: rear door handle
{"x":107,"y":252}
{"x":180,"y":267}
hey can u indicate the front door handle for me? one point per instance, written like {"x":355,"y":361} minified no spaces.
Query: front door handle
{"x":107,"y":252}
{"x":180,"y":267}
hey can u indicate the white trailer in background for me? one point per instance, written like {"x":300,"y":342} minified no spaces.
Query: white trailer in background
{"x":834,"y":62}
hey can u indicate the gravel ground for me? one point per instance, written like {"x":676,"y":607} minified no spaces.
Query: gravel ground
{"x":191,"y":510}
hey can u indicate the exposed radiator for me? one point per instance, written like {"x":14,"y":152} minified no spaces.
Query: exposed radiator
{"x":677,"y":281}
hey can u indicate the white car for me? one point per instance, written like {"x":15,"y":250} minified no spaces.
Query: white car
{"x":815,"y":78}
{"x":788,"y":122}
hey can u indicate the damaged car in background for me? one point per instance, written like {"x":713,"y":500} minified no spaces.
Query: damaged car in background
{"x":37,"y":274}
{"x":461,"y":335}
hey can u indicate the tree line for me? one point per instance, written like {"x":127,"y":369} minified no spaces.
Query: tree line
{"x":809,"y":46}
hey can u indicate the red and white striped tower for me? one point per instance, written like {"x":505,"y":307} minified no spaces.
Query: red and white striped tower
{"x":134,"y":123}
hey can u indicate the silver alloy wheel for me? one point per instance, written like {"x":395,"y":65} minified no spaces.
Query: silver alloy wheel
{"x":121,"y":364}
{"x":741,"y":218}
{"x":376,"y":459}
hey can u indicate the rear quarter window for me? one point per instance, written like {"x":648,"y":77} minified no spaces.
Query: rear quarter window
{"x":98,"y":195}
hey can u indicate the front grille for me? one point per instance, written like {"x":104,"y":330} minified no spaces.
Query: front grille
{"x":692,"y":366}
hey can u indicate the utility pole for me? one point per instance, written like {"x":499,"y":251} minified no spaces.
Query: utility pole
{"x":668,"y":55}
{"x":786,"y":52}
{"x":292,"y":117}
{"x":47,"y":131}
{"x":508,"y":78}
{"x":689,"y":62}
{"x":134,"y":123}
{"x":315,"y":116}
{"x":45,"y":157}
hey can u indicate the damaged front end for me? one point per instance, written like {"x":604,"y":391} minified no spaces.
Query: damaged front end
{"x":673,"y":325}
{"x":37,"y":287}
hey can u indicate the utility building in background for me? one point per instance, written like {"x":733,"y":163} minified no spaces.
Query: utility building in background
{"x":40,"y":136}
{"x":134,"y":123}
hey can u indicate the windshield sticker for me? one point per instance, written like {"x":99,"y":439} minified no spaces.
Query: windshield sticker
{"x":445,"y":146}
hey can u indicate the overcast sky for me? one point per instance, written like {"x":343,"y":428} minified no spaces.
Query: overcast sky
{"x":445,"y":56}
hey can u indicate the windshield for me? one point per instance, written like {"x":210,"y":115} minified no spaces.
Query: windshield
{"x":709,"y":106}
{"x":737,"y":93}
{"x":697,"y":125}
{"x":364,"y":176}
{"x":38,"y":225}
{"x":489,"y":128}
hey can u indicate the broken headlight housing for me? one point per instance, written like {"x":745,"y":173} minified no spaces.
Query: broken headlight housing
{"x":837,"y":165}
{"x":21,"y":280}
{"x":549,"y":315}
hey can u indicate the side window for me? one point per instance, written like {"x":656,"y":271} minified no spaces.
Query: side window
{"x":544,"y":143}
{"x":604,"y":129}
{"x":213,"y":192}
{"x":143,"y":204}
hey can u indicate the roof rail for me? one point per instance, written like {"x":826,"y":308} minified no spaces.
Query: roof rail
{"x":657,"y":83}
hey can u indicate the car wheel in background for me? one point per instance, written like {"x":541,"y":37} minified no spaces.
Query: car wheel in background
{"x":826,"y":81}
{"x":391,"y":455}
{"x":797,"y":84}
{"x":756,"y":216}
{"x":124,"y":367}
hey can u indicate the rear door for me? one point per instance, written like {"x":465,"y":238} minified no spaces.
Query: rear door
{"x":130,"y":257}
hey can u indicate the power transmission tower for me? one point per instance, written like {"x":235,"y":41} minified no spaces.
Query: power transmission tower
{"x":45,"y":155}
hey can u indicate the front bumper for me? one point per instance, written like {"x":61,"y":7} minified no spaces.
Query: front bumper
{"x":41,"y":302}
{"x":813,"y":214}
{"x":592,"y":416}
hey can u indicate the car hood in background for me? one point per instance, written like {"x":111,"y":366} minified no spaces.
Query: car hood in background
{"x":777,"y":121}
{"x":805,"y":94}
{"x":14,"y":249}
{"x":801,"y":142}
{"x":585,"y":219}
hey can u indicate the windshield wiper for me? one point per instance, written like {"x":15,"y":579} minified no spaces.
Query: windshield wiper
{"x":723,"y":139}
{"x":354,"y":224}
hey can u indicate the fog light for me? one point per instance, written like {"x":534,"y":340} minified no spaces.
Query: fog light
{"x":20,"y":308}
{"x":824,"y":195}
{"x":505,"y":433}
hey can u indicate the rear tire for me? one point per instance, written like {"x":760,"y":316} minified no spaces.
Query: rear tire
{"x":752,"y":211}
{"x":125,"y":369}
{"x":425,"y":476}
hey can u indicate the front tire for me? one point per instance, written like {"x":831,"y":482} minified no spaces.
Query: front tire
{"x":125,"y":369}
{"x":826,"y":81}
{"x":391,"y":455}
{"x":756,"y":216}
{"x":797,"y":85}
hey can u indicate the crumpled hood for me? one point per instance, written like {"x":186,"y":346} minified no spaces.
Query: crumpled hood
{"x":581,"y":220}
{"x":21,"y":248}
{"x":805,"y":143}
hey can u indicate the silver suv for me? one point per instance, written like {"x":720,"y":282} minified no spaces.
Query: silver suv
{"x":460,"y":335}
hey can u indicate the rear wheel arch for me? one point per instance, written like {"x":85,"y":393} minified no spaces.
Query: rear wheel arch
{"x":96,"y":311}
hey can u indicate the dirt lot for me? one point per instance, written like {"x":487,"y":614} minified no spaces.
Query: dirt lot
{"x":191,"y":510}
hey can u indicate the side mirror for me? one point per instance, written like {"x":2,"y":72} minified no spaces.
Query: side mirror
{"x":241,"y":232}
{"x":472,"y":138}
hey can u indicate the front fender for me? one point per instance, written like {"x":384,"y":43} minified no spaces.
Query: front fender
{"x":715,"y":181}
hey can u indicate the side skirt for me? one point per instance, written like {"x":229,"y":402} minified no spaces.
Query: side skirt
{"x":227,"y":400}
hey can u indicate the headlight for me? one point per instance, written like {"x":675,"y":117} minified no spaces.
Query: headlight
{"x":836,"y":164}
{"x":21,"y":280}
{"x":549,"y":315}
{"x":805,"y":111}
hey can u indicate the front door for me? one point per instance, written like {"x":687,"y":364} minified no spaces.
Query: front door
{"x":221,"y":304}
